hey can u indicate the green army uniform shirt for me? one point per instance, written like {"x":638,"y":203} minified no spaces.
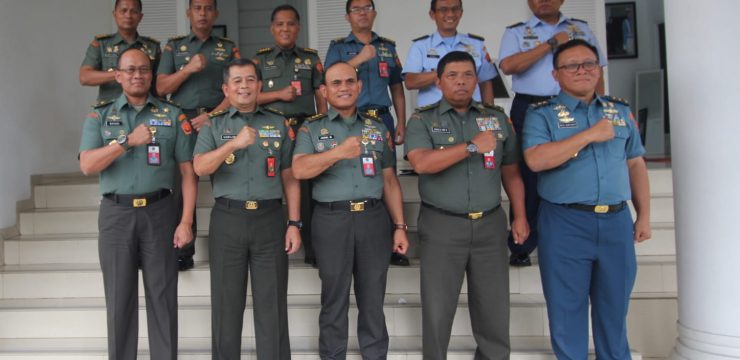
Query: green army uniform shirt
{"x":202,"y":89}
{"x":466,"y":186}
{"x":130,"y":173}
{"x":345,"y":180}
{"x":102,"y":55}
{"x":245,"y":177}
{"x":280,"y":67}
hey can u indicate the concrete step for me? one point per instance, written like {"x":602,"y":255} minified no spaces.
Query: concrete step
{"x":656,"y":274}
{"x":302,"y":348}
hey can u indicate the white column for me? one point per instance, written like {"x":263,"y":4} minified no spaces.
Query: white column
{"x":704,"y":84}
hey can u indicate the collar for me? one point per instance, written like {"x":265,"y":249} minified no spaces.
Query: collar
{"x":233,"y":111}
{"x":572,"y":103}
{"x":334,"y":115}
{"x":122,"y":101}
{"x":278,"y":51}
{"x":445,"y":106}
{"x":352,"y":38}
{"x":191,"y":37}
{"x":459,"y":38}
{"x":534,"y":21}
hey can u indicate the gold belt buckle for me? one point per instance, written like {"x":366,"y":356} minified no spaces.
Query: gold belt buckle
{"x":292,"y":121}
{"x":372,"y":112}
{"x":475,"y":215}
{"x":201,"y":110}
{"x":139,"y":202}
{"x":357,"y":206}
{"x":250,"y":205}
{"x":601,"y":209}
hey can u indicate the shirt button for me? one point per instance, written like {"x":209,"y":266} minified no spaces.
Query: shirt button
{"x":356,"y":186}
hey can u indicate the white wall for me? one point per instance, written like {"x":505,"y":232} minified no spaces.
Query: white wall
{"x":622,"y":71}
{"x":43,"y":43}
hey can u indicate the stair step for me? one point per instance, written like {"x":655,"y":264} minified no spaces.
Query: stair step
{"x":655,"y":274}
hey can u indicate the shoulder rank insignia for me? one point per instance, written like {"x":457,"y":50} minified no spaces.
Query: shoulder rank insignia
{"x":224,"y":39}
{"x":420,"y":38}
{"x":515,"y":25}
{"x":103,"y":36}
{"x":316,"y":117}
{"x":217,"y":113}
{"x":339,"y":39}
{"x":147,"y":38}
{"x":540,"y":104}
{"x":427,"y":107}
{"x":180,"y":37}
{"x":274,"y":111}
{"x":371,"y":117}
{"x":579,"y":20}
{"x":495,"y":107}
{"x":103,"y":103}
{"x":264,"y":50}
{"x":616,"y":99}
{"x":169,"y":101}
{"x":311,"y":51}
{"x":476,"y":37}
{"x":390,"y":41}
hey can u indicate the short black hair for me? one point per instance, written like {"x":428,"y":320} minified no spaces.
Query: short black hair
{"x":239,"y":63}
{"x":569,"y":45}
{"x":285,"y":7}
{"x":433,"y":6}
{"x":120,"y":56}
{"x":326,"y":71}
{"x":141,"y":7}
{"x":454,"y":56}
{"x":215,"y":3}
{"x":349,"y":4}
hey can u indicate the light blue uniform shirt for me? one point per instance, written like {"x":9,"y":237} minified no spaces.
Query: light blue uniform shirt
{"x":426,"y":52}
{"x":538,"y":80}
{"x":599,"y":173}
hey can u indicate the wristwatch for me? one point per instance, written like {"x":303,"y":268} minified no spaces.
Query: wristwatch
{"x":553,"y":42}
{"x":123,"y":141}
{"x":472,"y":148}
{"x":296,"y":223}
{"x":403,"y":227}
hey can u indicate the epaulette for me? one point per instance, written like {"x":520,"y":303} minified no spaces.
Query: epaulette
{"x":103,"y":103}
{"x":103,"y":36}
{"x":427,"y":107}
{"x":311,"y":51}
{"x":579,"y":20}
{"x":224,"y":39}
{"x":264,"y":50}
{"x":515,"y":25}
{"x":495,"y":107}
{"x":372,"y":117}
{"x":540,"y":104}
{"x":390,"y":41}
{"x":316,"y":117}
{"x":217,"y":113}
{"x":339,"y":39}
{"x":477,"y":37}
{"x":149,"y":38}
{"x":616,"y":99}
{"x":177,"y":38}
{"x":169,"y":101}
{"x":274,"y":111}
{"x":420,"y":38}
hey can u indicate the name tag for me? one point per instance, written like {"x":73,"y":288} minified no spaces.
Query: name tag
{"x":326,"y":137}
{"x":441,"y":130}
{"x":113,"y":123}
{"x":228,"y":136}
{"x":433,"y":56}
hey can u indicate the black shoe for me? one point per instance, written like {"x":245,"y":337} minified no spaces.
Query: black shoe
{"x":399,"y":260}
{"x":520,"y":260}
{"x":185,"y":263}
{"x":311,"y":260}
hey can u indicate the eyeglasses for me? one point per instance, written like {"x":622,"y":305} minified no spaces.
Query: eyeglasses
{"x":573,"y":68}
{"x":141,"y":70}
{"x":445,"y":10}
{"x":361,"y":9}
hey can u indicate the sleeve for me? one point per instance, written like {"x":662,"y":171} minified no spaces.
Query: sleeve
{"x":487,"y":71}
{"x":397,"y":72}
{"x":205,"y":142}
{"x":303,"y":143}
{"x":332,"y":55}
{"x":92,"y":55}
{"x":415,"y":60}
{"x":509,"y":44}
{"x":512,"y":150}
{"x":591,"y":38}
{"x":634,"y":143}
{"x":91,"y":138}
{"x":185,"y":139}
{"x":318,"y":73}
{"x":389,"y":156}
{"x":286,"y":156}
{"x":167,"y":62}
{"x":535,"y":131}
{"x":417,"y":135}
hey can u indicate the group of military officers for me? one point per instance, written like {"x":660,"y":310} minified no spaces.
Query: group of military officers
{"x":262,"y":131}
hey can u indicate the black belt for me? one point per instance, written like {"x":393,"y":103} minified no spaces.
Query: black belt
{"x":532,"y":98}
{"x":471,"y":216}
{"x":351,"y":205}
{"x":296,"y":119}
{"x":137,"y":201}
{"x":375,"y":110}
{"x":599,"y":209}
{"x":248,"y":204}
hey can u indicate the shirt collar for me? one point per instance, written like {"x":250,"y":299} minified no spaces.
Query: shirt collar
{"x":192,"y":38}
{"x":123,"y":101}
{"x":458,"y":38}
{"x":233,"y":111}
{"x":445,"y":106}
{"x":334,"y":115}
{"x":352,"y":38}
{"x":534,"y":21}
{"x":572,"y":103}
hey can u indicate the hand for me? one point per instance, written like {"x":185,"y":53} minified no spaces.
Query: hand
{"x":400,"y":242}
{"x":350,"y":148}
{"x":292,"y":240}
{"x":485,"y":141}
{"x":520,"y":230}
{"x":562,"y":37}
{"x":367,"y":53}
{"x":288,"y":93}
{"x":247,"y":136}
{"x":400,"y":135}
{"x":602,"y":131}
{"x":183,"y":235}
{"x":642,"y":230}
{"x":140,"y":136}
{"x":197,"y":64}
{"x":200,"y":121}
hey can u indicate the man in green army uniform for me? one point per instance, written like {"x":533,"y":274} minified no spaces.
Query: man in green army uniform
{"x":247,"y":151}
{"x":102,"y":54}
{"x":291,"y":76}
{"x":138,"y":143}
{"x":349,"y":156}
{"x":463,"y":152}
{"x":190,"y":71}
